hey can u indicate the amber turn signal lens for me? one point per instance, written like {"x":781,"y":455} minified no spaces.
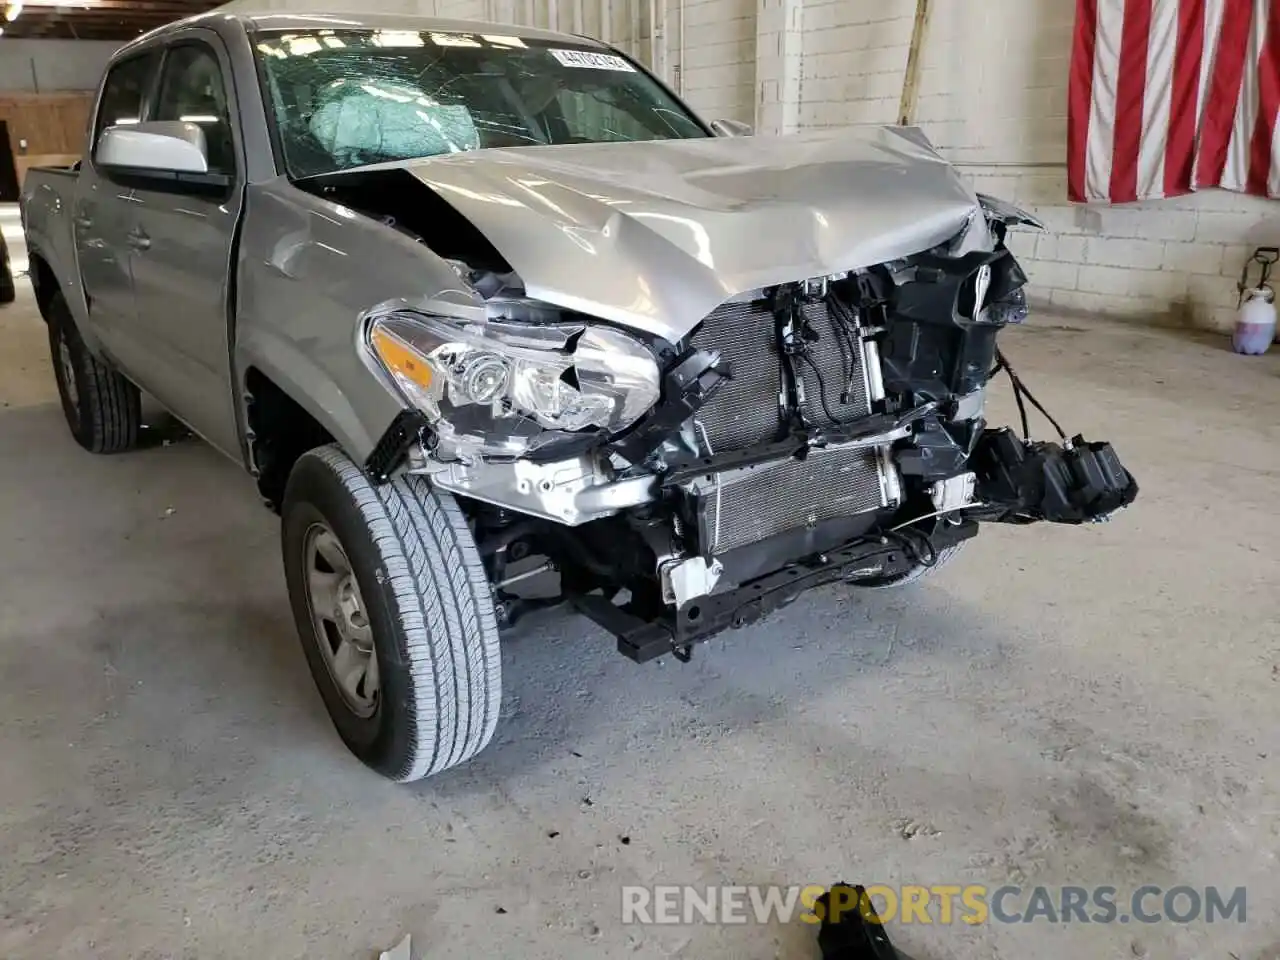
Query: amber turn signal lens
{"x":402,"y":359}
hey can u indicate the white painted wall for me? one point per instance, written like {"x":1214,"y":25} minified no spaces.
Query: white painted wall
{"x":43,"y":66}
{"x":854,"y":55}
{"x":719,"y":73}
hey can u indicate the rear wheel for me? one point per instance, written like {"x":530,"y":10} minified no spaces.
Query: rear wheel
{"x":395,"y":614}
{"x":8,"y":292}
{"x":103,"y":409}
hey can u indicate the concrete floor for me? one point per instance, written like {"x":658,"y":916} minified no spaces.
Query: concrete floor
{"x":1081,"y":706}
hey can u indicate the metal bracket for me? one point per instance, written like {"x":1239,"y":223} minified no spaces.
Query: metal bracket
{"x":644,"y":638}
{"x":685,"y":579}
{"x":393,"y":446}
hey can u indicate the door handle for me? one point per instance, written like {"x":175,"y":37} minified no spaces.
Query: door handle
{"x":83,"y":222}
{"x":138,"y":239}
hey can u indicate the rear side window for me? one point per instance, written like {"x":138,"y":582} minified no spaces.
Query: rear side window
{"x":124,"y":93}
{"x":192,"y":91}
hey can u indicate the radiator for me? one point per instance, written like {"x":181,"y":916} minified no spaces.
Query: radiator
{"x":745,"y":410}
{"x":779,"y":497}
{"x":793,"y":494}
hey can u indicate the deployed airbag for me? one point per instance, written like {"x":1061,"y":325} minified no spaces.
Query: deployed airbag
{"x":368,"y":123}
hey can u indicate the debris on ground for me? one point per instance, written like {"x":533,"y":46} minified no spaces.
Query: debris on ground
{"x":909,"y":829}
{"x":401,"y":951}
{"x":851,"y":929}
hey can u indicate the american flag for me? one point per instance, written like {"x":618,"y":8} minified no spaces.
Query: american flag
{"x":1168,"y":96}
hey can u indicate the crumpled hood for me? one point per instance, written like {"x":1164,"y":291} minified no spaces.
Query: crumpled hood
{"x":657,"y":234}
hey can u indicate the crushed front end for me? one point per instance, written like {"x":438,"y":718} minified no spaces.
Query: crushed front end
{"x":826,"y":429}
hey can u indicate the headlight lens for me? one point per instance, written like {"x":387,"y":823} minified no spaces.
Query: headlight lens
{"x":506,"y":389}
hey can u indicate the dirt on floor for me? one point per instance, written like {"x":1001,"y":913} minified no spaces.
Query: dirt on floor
{"x":1062,"y":706}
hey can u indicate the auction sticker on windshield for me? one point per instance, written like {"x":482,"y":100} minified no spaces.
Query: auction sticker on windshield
{"x":592,"y":60}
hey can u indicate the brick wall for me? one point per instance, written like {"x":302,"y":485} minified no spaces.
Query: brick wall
{"x":719,"y":74}
{"x":461,"y":9}
{"x":1175,"y":261}
{"x":854,"y":58}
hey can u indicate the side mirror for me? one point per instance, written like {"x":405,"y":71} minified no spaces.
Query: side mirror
{"x":158,"y":146}
{"x":732,"y":128}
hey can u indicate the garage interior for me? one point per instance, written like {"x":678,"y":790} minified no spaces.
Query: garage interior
{"x":1095,"y":705}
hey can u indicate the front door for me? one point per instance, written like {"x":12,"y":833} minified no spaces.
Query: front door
{"x":100,"y":213}
{"x":181,"y":238}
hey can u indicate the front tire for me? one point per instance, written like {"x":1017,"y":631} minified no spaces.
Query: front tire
{"x":403,"y":642}
{"x":919,"y":572}
{"x":102,"y":408}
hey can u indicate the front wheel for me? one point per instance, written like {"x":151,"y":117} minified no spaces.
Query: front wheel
{"x":395,"y":613}
{"x":918,"y":572}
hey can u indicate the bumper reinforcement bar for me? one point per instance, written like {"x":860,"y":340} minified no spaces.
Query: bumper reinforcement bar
{"x":675,"y":632}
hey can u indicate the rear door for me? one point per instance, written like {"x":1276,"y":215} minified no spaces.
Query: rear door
{"x":182,"y":236}
{"x":99,"y":215}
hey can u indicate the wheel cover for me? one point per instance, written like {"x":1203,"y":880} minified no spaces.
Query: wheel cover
{"x":340,"y":621}
{"x":68,"y":372}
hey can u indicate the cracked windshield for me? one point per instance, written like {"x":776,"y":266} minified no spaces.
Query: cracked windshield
{"x":345,"y":98}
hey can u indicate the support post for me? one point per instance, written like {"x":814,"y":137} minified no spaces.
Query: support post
{"x":911,"y":79}
{"x":779,"y":37}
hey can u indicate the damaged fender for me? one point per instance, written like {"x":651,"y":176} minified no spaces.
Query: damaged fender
{"x":310,"y":251}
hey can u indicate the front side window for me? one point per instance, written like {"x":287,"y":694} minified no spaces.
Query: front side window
{"x":124,"y":92}
{"x":345,"y":98}
{"x":191,"y":90}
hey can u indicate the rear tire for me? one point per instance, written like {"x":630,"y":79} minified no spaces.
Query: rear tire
{"x":919,"y":572}
{"x":414,"y":603}
{"x":103,"y":409}
{"x":8,"y":292}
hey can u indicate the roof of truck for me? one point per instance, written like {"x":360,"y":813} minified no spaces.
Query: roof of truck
{"x":276,"y":19}
{"x":351,"y":20}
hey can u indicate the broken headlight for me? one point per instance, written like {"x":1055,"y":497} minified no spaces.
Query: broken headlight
{"x":505,"y":389}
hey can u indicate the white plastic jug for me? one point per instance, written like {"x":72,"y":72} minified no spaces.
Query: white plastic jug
{"x":1256,"y":323}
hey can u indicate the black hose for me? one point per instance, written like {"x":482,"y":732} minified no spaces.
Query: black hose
{"x":822,"y":396}
{"x":1019,"y":392}
{"x":848,"y":324}
{"x":845,"y":347}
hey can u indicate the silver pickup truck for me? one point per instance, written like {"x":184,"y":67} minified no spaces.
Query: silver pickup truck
{"x":478,"y":306}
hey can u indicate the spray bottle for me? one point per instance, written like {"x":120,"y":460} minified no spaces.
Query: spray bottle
{"x":1256,"y":321}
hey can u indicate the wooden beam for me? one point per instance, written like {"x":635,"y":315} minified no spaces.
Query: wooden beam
{"x":911,"y":78}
